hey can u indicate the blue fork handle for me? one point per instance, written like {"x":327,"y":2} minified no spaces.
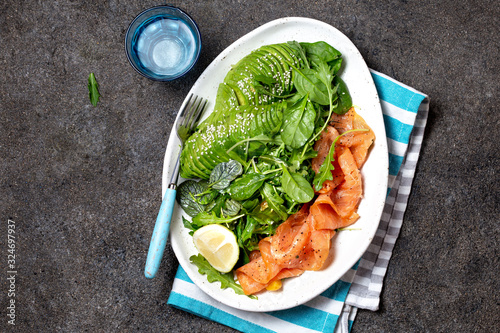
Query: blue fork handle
{"x":160,"y":234}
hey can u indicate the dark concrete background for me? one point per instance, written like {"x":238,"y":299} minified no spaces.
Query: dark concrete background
{"x":83,"y":183}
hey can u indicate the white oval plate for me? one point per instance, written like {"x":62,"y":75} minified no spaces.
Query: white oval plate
{"x":347,"y":246}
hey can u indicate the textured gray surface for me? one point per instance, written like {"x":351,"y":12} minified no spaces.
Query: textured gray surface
{"x":83,"y":183}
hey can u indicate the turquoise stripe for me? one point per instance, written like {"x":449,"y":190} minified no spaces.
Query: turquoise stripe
{"x":349,"y":324}
{"x":397,"y":95}
{"x":307,"y":317}
{"x":181,"y":274}
{"x":394,"y":164}
{"x":209,"y":312}
{"x":338,"y":291}
{"x":397,"y":130}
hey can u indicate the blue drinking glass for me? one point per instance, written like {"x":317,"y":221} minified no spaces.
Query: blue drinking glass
{"x":163,"y":43}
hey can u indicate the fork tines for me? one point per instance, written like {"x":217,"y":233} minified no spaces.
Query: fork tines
{"x":193,"y":109}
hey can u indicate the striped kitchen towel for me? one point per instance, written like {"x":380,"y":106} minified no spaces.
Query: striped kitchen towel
{"x":405,"y":114}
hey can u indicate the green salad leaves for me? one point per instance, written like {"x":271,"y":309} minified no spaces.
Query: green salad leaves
{"x":253,"y":153}
{"x":226,"y":279}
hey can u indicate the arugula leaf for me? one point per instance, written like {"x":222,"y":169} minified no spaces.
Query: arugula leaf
{"x":244,"y":187}
{"x":272,"y":159}
{"x":205,"y":218}
{"x":267,"y":218}
{"x":223,"y":173}
{"x":326,"y":168}
{"x":298,"y":123}
{"x":188,"y":225}
{"x":259,"y":138}
{"x":325,"y":75}
{"x":273,"y":200}
{"x":226,"y":279}
{"x":296,"y":186}
{"x":248,"y":229}
{"x":267,"y":85}
{"x":248,"y":240}
{"x":93,"y":90}
{"x":249,"y":205}
{"x":216,"y":205}
{"x":208,"y":195}
{"x":296,"y":158}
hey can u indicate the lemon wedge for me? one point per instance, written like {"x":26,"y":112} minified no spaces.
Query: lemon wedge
{"x":218,"y":245}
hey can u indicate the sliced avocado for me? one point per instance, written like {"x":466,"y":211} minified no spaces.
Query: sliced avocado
{"x":208,"y":147}
{"x":242,"y":109}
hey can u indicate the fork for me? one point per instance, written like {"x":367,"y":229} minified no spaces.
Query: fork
{"x":185,"y":126}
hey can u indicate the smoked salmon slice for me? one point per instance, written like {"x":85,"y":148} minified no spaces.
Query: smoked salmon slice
{"x":347,"y":196}
{"x":358,"y":142}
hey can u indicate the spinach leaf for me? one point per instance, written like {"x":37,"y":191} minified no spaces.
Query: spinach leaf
{"x":298,"y":123}
{"x":187,"y":197}
{"x":226,"y":279}
{"x":335,"y":65}
{"x":223,"y":173}
{"x":296,"y":186}
{"x":307,"y":82}
{"x":244,"y":187}
{"x":321,"y":52}
{"x":345,"y":101}
{"x":93,"y":90}
{"x":326,"y":168}
{"x":205,"y":218}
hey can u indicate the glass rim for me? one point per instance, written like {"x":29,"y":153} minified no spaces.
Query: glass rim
{"x":188,"y":20}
